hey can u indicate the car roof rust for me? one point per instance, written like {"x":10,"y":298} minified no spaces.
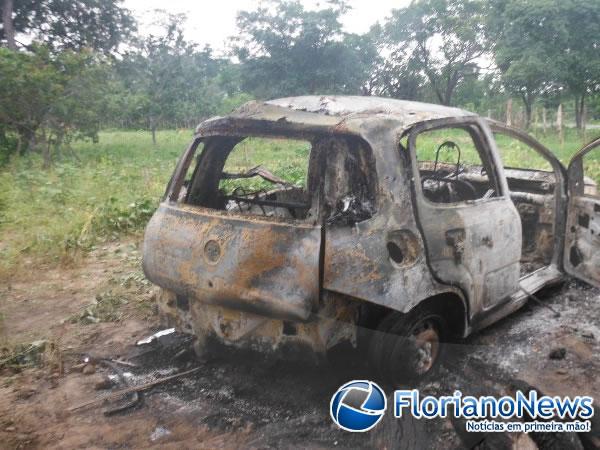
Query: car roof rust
{"x":348,"y":105}
{"x":314,"y":113}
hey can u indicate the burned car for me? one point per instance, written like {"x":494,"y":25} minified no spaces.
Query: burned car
{"x":407,"y":230}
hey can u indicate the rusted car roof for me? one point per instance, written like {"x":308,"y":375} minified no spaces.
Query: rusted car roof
{"x":314,"y":111}
{"x":344,"y":106}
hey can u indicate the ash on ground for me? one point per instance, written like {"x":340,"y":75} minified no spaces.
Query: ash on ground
{"x":275,"y":403}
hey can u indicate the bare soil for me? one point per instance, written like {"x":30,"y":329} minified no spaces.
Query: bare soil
{"x":239,"y":399}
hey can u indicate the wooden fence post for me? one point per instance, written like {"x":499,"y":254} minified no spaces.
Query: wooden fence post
{"x":509,"y":112}
{"x":559,"y":125}
{"x":583,"y":121}
{"x":544,"y":122}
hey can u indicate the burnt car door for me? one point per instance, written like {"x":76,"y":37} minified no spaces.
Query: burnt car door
{"x":471,"y":228}
{"x":582,"y":233}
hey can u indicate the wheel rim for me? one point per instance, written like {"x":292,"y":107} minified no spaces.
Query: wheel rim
{"x":426,"y":338}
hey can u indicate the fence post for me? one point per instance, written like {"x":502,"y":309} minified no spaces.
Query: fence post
{"x":544,"y":122}
{"x":583,"y":121}
{"x":559,"y":124}
{"x":509,"y":112}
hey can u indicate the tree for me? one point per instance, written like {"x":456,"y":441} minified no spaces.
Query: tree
{"x":579,"y":60}
{"x":167,"y":80}
{"x":8,"y":29}
{"x":397,"y":75}
{"x":48,"y":100}
{"x":67,"y":24}
{"x":484,"y":94}
{"x":444,"y":39}
{"x":541,"y":45}
{"x":285,"y":49}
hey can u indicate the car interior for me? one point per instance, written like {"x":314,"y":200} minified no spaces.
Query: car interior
{"x":327,"y":177}
{"x":451,"y":171}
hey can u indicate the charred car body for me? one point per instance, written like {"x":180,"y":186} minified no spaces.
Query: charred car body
{"x":408,"y":225}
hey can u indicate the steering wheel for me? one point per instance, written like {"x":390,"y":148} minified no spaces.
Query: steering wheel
{"x":464,"y":190}
{"x":447,"y":145}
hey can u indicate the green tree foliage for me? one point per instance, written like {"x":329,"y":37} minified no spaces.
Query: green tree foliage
{"x":579,"y":60}
{"x":50,"y":99}
{"x":168,"y":81}
{"x":288,"y":50}
{"x":71,"y":24}
{"x":82,"y":68}
{"x":545,"y":45}
{"x":443,"y":39}
{"x":397,"y":75}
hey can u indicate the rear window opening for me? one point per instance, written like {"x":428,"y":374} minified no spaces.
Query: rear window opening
{"x":330,"y":179}
{"x":252,"y":176}
{"x":267,"y":176}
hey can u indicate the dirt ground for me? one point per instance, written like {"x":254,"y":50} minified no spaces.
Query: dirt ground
{"x":103,"y":306}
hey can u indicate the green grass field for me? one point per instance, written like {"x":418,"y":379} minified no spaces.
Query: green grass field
{"x":112,"y":188}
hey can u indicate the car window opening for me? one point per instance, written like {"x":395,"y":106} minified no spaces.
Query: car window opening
{"x":327,"y":177}
{"x":451,"y":167}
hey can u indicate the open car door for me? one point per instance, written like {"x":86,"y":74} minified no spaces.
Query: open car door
{"x":582,"y":240}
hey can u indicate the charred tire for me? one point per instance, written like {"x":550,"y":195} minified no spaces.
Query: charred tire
{"x":409,"y":346}
{"x":376,"y":347}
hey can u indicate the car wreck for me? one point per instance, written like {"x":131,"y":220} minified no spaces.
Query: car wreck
{"x":408,"y":232}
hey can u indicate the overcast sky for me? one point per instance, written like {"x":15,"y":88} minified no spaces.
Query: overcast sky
{"x":213,"y":22}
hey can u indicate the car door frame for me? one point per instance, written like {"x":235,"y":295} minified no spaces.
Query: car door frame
{"x":580,"y":214}
{"x":560,"y":189}
{"x":479,"y":304}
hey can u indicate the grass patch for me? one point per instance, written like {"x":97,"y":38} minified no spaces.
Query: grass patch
{"x":106,"y":308}
{"x":19,"y":356}
{"x":285,"y":158}
{"x":126,"y":293}
{"x":513,"y":152}
{"x":48,"y":215}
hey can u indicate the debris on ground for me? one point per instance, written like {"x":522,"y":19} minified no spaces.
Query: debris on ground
{"x":558,"y":353}
{"x":241,"y":399}
{"x":155,"y":336}
{"x":22,"y":356}
{"x":159,"y":432}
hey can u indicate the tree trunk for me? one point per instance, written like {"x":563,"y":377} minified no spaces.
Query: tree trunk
{"x":528,"y":103}
{"x":26,"y":140}
{"x":154,"y":134}
{"x":579,"y":108}
{"x":509,"y":112}
{"x":7,"y":23}
{"x":528,"y":111}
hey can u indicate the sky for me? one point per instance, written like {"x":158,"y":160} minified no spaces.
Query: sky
{"x":213,"y":22}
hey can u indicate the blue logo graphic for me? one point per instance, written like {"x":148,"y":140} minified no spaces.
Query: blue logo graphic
{"x":358,"y":405}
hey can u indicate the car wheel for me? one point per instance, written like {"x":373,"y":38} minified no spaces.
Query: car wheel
{"x":413,"y":346}
{"x":378,"y":339}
